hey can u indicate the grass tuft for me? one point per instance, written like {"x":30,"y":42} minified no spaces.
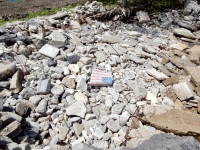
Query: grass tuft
{"x":68,"y":7}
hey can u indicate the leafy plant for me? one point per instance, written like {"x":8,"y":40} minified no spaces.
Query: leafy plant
{"x":68,"y":7}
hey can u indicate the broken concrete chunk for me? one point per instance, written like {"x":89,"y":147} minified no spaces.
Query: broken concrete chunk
{"x":156,"y":74}
{"x":49,"y":51}
{"x":183,"y":90}
{"x":184,"y":125}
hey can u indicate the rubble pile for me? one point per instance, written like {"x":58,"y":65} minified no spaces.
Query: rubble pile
{"x":100,"y":85}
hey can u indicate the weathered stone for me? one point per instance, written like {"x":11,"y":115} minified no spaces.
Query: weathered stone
{"x":86,"y":60}
{"x":165,"y":141}
{"x":73,"y":59}
{"x":78,"y":128}
{"x":100,"y":56}
{"x":81,"y":85}
{"x":111,"y":39}
{"x":171,"y":81}
{"x":184,"y":32}
{"x":81,"y":96}
{"x":21,"y":109}
{"x":179,"y":46}
{"x":194,"y":72}
{"x":42,"y":107}
{"x":16,"y":81}
{"x":73,"y":68}
{"x":168,"y":121}
{"x":77,"y":109}
{"x":183,"y":90}
{"x":113,"y":125}
{"x":12,"y":130}
{"x":156,"y":74}
{"x":57,"y":36}
{"x":69,"y":82}
{"x":149,"y":49}
{"x":49,"y":51}
{"x":7,"y":69}
{"x":63,"y":131}
{"x":138,"y":88}
{"x":57,"y":90}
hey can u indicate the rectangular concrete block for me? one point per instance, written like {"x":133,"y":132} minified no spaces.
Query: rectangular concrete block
{"x":184,"y":90}
{"x":44,"y":86}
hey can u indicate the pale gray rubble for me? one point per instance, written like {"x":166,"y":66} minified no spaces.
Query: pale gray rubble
{"x":72,"y":84}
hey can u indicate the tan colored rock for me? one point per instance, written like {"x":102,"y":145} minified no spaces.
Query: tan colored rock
{"x":177,"y":121}
{"x":194,"y":53}
{"x":198,"y":107}
{"x":179,"y":46}
{"x":170,"y":81}
{"x":194,"y":72}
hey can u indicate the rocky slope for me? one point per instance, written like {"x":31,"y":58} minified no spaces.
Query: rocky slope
{"x":69,"y":81}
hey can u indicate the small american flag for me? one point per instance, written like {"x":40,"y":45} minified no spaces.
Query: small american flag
{"x":101,"y":78}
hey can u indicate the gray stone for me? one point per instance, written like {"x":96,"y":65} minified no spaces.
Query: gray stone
{"x":57,"y":36}
{"x":183,"y":90}
{"x":44,"y":86}
{"x":76,"y":109}
{"x":86,"y":60}
{"x":1,"y":104}
{"x":81,"y":85}
{"x":42,"y":107}
{"x":184,"y":32}
{"x":118,"y":108}
{"x":149,"y":49}
{"x":100,"y":56}
{"x":69,"y":82}
{"x":57,"y":90}
{"x":168,"y":102}
{"x":63,"y":131}
{"x":166,"y":141}
{"x":158,"y":75}
{"x":136,"y":59}
{"x":123,"y":119}
{"x":32,"y":129}
{"x":7,"y":69}
{"x":113,"y":125}
{"x":78,"y":128}
{"x":138,"y":88}
{"x":21,"y":109}
{"x":12,"y":130}
{"x":16,"y":81}
{"x":82,"y":146}
{"x":49,"y":51}
{"x":111,"y":39}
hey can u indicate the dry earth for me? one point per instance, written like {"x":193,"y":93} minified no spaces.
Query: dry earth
{"x":21,"y":9}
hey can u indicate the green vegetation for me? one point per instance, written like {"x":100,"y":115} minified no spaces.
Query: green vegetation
{"x":2,"y":22}
{"x":68,"y":7}
{"x":37,"y":14}
{"x":108,"y":2}
{"x":160,"y":5}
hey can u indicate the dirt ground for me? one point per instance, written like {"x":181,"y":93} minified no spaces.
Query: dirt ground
{"x":23,"y":8}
